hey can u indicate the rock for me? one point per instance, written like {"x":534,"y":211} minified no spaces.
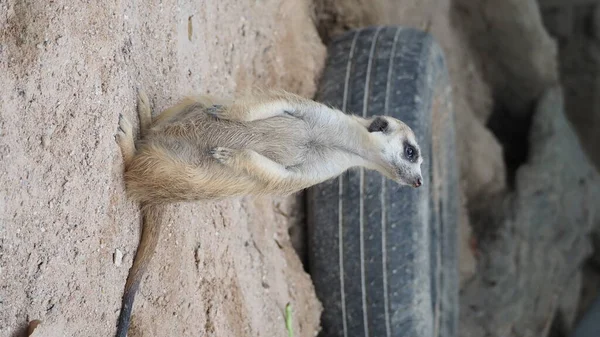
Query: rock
{"x":519,"y":57}
{"x":568,"y":302}
{"x":482,"y":168}
{"x":466,"y":258}
{"x":118,"y":257}
{"x":32,"y":326}
{"x":538,"y":235}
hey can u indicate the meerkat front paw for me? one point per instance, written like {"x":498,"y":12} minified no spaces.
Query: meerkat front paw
{"x":124,"y":138}
{"x":124,"y":131}
{"x":223,"y":155}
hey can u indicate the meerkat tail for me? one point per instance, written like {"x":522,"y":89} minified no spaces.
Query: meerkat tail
{"x":152,"y":219}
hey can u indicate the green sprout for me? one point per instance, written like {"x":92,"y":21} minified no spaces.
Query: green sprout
{"x":288,"y":320}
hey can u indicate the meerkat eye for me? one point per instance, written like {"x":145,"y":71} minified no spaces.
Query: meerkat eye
{"x":410,"y":152}
{"x":379,"y":124}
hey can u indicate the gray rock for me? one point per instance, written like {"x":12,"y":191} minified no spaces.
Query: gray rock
{"x":539,"y":236}
{"x":517,"y":54}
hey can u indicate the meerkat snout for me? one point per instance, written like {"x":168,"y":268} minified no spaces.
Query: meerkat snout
{"x":401,"y":155}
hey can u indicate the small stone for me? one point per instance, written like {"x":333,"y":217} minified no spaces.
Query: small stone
{"x":45,"y":140}
{"x":118,"y":257}
{"x":61,"y":40}
{"x":32,"y":326}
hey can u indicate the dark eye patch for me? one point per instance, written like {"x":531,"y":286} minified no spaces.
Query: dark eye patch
{"x":410,"y":152}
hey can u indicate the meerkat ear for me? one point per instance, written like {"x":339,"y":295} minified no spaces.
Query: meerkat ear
{"x":379,"y":124}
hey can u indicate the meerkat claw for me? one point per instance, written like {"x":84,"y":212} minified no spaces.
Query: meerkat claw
{"x":124,"y":125}
{"x":119,"y":127}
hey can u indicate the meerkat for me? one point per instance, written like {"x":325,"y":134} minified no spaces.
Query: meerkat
{"x":267,"y":142}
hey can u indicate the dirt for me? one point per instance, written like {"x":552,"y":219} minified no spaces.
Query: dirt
{"x":67,"y":70}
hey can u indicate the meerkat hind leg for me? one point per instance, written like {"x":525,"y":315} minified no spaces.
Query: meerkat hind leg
{"x":248,"y":110}
{"x":174,"y":110}
{"x":124,"y":138}
{"x":201,"y":101}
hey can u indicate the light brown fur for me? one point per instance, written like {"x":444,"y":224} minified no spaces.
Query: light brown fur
{"x":265,"y":142}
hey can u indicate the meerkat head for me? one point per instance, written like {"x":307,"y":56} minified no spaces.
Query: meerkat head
{"x":400,"y":154}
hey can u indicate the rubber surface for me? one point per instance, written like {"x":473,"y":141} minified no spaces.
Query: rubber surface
{"x":383,"y":257}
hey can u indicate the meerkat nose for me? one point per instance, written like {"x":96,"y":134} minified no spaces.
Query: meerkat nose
{"x":419,"y":182}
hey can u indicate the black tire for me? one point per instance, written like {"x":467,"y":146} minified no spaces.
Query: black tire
{"x":359,"y":223}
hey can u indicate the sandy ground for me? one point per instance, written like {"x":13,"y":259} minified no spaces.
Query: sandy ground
{"x":68,"y":68}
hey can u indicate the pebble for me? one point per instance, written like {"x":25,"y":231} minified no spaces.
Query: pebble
{"x":32,"y":326}
{"x":118,"y":257}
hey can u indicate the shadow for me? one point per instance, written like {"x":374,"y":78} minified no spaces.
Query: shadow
{"x":558,"y":327}
{"x":21,"y":331}
{"x":512,"y":131}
